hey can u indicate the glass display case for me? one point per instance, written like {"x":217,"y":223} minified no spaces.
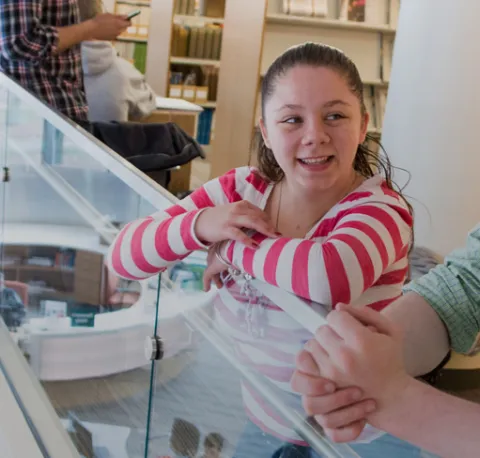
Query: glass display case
{"x":151,"y":368}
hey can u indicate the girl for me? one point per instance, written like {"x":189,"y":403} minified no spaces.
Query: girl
{"x":315,"y":219}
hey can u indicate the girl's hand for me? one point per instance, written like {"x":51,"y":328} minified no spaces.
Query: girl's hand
{"x":227,"y":222}
{"x":214,"y":268}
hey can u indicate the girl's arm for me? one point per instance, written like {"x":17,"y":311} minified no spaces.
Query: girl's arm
{"x":366,"y":240}
{"x":149,"y":245}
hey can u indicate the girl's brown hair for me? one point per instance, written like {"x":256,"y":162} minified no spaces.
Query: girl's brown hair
{"x":367,"y":163}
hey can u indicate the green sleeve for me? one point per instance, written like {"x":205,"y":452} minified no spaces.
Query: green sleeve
{"x":453,"y":291}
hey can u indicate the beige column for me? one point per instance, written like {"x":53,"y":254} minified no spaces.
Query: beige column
{"x":238,"y":84}
{"x":158,"y":50}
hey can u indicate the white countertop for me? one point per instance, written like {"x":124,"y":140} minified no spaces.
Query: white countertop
{"x":142,"y":313}
{"x":165,"y":103}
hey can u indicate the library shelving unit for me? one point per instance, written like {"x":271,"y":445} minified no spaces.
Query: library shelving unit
{"x":55,"y":273}
{"x":253,"y":33}
{"x":194,"y":50}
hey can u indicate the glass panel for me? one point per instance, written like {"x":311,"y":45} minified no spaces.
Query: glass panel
{"x":38,"y":143}
{"x":4,"y":312}
{"x":83,"y":329}
{"x":223,"y":386}
{"x":216,"y":381}
{"x":223,"y":382}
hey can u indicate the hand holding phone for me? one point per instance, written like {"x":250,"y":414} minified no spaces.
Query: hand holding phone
{"x":107,"y":26}
{"x":131,"y":15}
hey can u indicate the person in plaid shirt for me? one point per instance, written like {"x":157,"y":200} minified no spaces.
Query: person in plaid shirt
{"x":40,"y":48}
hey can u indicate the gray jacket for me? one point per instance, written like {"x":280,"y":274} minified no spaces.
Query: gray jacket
{"x":116,"y":90}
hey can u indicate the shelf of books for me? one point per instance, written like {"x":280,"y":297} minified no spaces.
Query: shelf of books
{"x":196,"y":40}
{"x":363,"y":29}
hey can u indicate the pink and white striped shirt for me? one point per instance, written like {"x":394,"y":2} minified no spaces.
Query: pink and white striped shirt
{"x":357,"y":254}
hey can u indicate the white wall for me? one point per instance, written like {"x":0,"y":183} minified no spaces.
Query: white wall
{"x":432,"y":119}
{"x":109,"y":5}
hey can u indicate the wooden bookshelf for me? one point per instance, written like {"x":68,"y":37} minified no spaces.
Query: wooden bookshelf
{"x":194,"y":61}
{"x":254,"y":34}
{"x":133,"y":2}
{"x":81,"y":279}
{"x":132,"y":39}
{"x":165,"y":58}
{"x":207,"y":104}
{"x":189,"y":19}
{"x":303,"y":21}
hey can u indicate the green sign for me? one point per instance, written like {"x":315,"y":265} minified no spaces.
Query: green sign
{"x":83,"y":319}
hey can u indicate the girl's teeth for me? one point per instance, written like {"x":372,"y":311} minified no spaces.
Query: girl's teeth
{"x":316,"y":160}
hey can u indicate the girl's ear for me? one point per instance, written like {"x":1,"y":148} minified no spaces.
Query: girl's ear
{"x":363,"y":132}
{"x":263,"y":130}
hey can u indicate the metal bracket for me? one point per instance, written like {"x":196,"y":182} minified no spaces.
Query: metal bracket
{"x":154,"y":348}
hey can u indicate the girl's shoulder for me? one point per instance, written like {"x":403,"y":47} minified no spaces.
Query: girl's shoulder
{"x":375,"y":189}
{"x":244,"y":183}
{"x":248,"y":174}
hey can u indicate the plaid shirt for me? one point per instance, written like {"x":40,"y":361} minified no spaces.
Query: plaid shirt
{"x":453,"y":291}
{"x":28,"y":52}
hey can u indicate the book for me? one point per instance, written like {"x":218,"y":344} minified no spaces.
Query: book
{"x":208,"y":49}
{"x":199,"y":51}
{"x":352,"y":10}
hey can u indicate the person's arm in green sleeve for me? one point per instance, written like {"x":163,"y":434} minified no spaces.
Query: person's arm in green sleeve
{"x":440,"y":311}
{"x":452,"y":290}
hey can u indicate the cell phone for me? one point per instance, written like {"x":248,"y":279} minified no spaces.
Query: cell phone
{"x":133,"y":14}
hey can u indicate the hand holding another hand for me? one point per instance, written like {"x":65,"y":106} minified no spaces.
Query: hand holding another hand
{"x":362,"y":353}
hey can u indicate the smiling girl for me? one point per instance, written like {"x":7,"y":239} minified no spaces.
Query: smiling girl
{"x":319,"y":216}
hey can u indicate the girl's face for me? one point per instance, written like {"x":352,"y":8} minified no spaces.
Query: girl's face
{"x":313,"y":124}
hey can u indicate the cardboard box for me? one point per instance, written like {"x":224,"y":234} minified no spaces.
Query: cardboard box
{"x":175,"y":91}
{"x":201,"y":94}
{"x":188,"y":93}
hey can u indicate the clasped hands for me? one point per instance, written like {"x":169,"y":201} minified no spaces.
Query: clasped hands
{"x":351,"y":372}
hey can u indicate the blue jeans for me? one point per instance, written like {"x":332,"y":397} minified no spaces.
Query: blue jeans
{"x":254,"y":443}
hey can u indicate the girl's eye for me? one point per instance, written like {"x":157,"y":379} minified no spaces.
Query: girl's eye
{"x":292,"y":120}
{"x":335,"y":117}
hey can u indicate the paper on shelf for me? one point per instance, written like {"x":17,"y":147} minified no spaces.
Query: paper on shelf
{"x":166,"y":103}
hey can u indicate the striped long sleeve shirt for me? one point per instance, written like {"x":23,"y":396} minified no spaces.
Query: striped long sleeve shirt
{"x":357,"y":253}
